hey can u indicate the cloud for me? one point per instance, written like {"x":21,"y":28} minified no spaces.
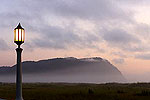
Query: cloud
{"x":38,"y":17}
{"x":3,"y":45}
{"x":134,"y":2}
{"x":54,"y":37}
{"x":85,"y":9}
{"x":118,"y":61}
{"x":145,"y":56}
{"x":59,"y":38}
{"x":120,"y":54}
{"x":118,"y":36}
{"x":121,"y":39}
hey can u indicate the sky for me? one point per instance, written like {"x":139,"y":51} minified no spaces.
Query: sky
{"x":116,"y":30}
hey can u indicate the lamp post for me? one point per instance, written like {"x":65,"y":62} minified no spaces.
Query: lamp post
{"x":19,"y":37}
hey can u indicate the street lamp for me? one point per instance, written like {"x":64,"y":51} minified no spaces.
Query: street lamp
{"x":19,"y":37}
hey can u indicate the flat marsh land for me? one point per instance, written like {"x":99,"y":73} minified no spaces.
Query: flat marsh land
{"x":70,"y":91}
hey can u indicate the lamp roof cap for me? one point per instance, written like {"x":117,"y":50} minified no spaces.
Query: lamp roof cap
{"x":19,"y":26}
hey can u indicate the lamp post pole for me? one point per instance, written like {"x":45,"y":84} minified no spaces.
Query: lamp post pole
{"x":19,"y":37}
{"x":19,"y":74}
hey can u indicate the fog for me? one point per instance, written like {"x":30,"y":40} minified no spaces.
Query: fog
{"x":47,"y":78}
{"x":79,"y":78}
{"x":70,"y":70}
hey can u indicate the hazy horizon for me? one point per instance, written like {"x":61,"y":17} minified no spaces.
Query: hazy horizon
{"x":116,"y":30}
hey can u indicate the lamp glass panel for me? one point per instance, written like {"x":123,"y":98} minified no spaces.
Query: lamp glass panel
{"x":23,"y":35}
{"x":19,"y":34}
{"x":16,"y":35}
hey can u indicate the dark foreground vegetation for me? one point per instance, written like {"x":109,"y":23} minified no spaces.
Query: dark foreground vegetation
{"x":64,"y":91}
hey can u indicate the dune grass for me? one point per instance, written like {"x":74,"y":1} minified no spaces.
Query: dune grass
{"x":64,"y":91}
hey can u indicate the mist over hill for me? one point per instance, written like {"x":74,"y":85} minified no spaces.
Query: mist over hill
{"x":70,"y":69}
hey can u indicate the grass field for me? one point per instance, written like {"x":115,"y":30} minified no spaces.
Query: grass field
{"x":64,"y":91}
